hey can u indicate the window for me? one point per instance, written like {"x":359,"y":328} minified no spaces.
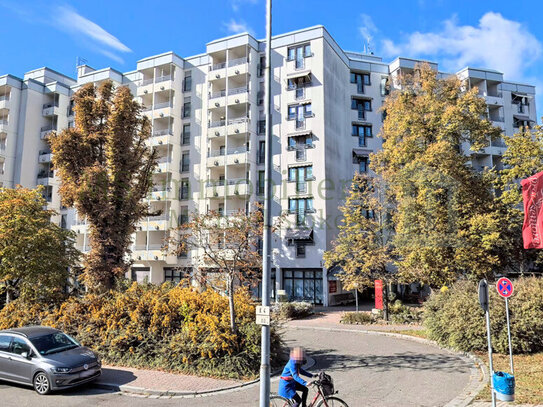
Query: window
{"x":184,"y":215}
{"x":63,"y":221}
{"x":261,"y":127}
{"x":361,"y":80}
{"x":300,"y":175}
{"x":261,"y":67}
{"x":362,"y":105}
{"x":300,"y":113}
{"x":187,"y":82}
{"x":18,"y":346}
{"x":363,"y":164}
{"x":173,"y":275}
{"x":186,"y":135}
{"x":362,"y":132}
{"x":186,"y":107}
{"x":184,"y":189}
{"x":291,"y":112}
{"x":260,"y":187}
{"x":298,"y":54}
{"x":261,"y":152}
{"x":300,"y":207}
{"x":303,"y":284}
{"x":5,"y":342}
{"x":185,"y":161}
{"x":385,"y":89}
{"x":300,"y":250}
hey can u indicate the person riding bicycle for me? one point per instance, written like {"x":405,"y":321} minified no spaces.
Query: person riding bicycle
{"x":291,"y":382}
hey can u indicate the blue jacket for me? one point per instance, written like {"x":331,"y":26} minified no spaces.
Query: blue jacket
{"x":287,"y":388}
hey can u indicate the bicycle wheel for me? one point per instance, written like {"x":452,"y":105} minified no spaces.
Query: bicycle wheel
{"x":332,"y":402}
{"x":278,"y":401}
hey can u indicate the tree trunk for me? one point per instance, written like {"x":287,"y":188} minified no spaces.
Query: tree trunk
{"x":231,"y":303}
{"x":9,"y":296}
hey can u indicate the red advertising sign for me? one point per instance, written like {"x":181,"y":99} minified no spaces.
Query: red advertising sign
{"x":332,"y":286}
{"x":532,"y":194}
{"x":379,"y":294}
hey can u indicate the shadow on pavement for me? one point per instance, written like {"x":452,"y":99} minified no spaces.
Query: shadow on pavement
{"x":116,"y":376}
{"x":326,"y":360}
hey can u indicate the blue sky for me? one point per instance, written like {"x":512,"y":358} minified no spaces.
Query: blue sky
{"x":504,"y":35}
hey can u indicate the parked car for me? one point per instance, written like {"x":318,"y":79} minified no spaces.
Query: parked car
{"x":46,"y":359}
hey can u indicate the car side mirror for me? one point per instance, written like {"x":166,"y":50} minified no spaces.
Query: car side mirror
{"x":26,"y":355}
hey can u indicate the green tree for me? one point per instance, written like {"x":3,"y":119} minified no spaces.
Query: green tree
{"x":106,"y":170}
{"x":35,"y":254}
{"x":443,"y":216}
{"x":226,"y":249}
{"x":362,"y":248}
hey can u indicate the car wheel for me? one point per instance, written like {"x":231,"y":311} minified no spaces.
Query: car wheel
{"x":41,"y":383}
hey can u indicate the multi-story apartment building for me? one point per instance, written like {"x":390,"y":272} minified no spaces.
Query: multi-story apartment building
{"x":207,"y":116}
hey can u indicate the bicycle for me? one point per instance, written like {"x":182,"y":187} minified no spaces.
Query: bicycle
{"x":324,"y":399}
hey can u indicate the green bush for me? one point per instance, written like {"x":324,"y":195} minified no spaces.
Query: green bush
{"x":292,"y":310}
{"x":165,"y":327}
{"x":358,"y":318}
{"x":402,"y":314}
{"x":454,"y":318}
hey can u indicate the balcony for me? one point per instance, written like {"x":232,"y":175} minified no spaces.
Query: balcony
{"x":3,"y":125}
{"x":50,"y":109}
{"x":237,"y":67}
{"x":163,"y":166}
{"x":238,"y":125}
{"x":231,"y":188}
{"x":163,"y":193}
{"x":45,"y":130}
{"x":150,"y":252}
{"x":494,"y":100}
{"x":45,"y":156}
{"x":4,"y":102}
{"x":45,"y":177}
{"x":238,"y":95}
{"x":217,"y":71}
{"x":161,"y":222}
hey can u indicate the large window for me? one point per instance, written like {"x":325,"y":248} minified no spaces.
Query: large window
{"x":186,"y":135}
{"x":300,"y":207}
{"x":186,"y":107}
{"x":303,"y":285}
{"x":362,"y":132}
{"x":173,"y":275}
{"x":261,"y":152}
{"x":362,"y":106}
{"x":300,"y":175}
{"x":300,"y":113}
{"x":187,"y":82}
{"x":185,"y":161}
{"x":260,"y":186}
{"x":297,"y":142}
{"x":298,"y":54}
{"x":184,"y":189}
{"x":361,"y":80}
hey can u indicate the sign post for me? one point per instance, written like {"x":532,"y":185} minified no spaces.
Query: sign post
{"x":483,"y":300}
{"x":505,"y":289}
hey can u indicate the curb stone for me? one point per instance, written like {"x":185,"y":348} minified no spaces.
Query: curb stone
{"x":167,"y":394}
{"x":478,"y":375}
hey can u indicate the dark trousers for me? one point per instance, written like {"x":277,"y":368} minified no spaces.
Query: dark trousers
{"x":304,"y":390}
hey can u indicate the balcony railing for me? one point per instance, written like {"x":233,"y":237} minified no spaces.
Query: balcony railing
{"x":239,"y":120}
{"x":233,"y":150}
{"x":499,"y":119}
{"x":237,"y":91}
{"x":238,"y":181}
{"x":214,"y":67}
{"x":4,"y":98}
{"x":164,"y":160}
{"x":163,"y":105}
{"x":163,"y":78}
{"x":218,"y":94}
{"x":49,"y":127}
{"x":218,"y":123}
{"x":3,"y":122}
{"x":146,"y":82}
{"x":238,"y":61}
{"x":164,"y":132}
{"x":48,"y":105}
{"x":45,"y":174}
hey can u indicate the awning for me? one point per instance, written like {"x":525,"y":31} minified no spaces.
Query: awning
{"x":299,"y":74}
{"x":300,"y":165}
{"x":300,"y":133}
{"x":299,"y":234}
{"x":522,"y":117}
{"x":361,"y":152}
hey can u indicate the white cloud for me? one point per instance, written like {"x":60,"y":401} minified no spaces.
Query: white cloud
{"x":496,"y":43}
{"x":367,"y":27}
{"x":236,"y":27}
{"x":236,"y":4}
{"x":73,"y":22}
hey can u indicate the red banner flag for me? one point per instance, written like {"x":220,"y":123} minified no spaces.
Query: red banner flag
{"x":532,"y":194}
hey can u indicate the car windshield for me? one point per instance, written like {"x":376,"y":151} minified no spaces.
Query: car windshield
{"x":53,"y":343}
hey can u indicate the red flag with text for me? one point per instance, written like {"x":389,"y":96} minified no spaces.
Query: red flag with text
{"x":532,"y":195}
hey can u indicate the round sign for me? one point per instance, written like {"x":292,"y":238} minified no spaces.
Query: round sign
{"x":504,"y":287}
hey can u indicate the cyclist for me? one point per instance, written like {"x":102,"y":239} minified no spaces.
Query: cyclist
{"x":291,"y":382}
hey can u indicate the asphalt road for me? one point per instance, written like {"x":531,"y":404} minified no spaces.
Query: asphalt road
{"x":368,"y":370}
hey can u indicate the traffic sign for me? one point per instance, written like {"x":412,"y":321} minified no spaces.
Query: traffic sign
{"x":263,"y":320}
{"x":483,"y":295}
{"x":504,"y":287}
{"x":262,"y":310}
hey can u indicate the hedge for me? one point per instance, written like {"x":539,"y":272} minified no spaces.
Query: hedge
{"x":160,"y":327}
{"x":454,"y":318}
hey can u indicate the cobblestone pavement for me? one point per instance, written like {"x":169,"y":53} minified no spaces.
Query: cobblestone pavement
{"x":369,"y":370}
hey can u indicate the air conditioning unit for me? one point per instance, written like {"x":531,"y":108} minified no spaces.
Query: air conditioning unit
{"x":237,"y":100}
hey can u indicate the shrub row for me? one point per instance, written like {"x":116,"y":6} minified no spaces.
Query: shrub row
{"x":292,"y":310}
{"x":164,"y":327}
{"x":454,"y":318}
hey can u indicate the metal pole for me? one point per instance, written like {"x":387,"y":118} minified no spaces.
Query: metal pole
{"x":491,"y":367}
{"x":356,"y":298}
{"x":268,"y":195}
{"x":509,"y":336}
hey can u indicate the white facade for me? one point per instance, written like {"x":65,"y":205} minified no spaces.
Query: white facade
{"x":207,"y":113}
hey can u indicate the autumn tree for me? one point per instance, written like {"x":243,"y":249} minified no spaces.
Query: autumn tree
{"x":443,"y":216}
{"x":226,"y":250}
{"x":36,"y":255}
{"x":105,"y":168}
{"x":362,"y":249}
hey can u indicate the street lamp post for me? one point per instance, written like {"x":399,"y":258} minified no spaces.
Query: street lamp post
{"x":266,"y":255}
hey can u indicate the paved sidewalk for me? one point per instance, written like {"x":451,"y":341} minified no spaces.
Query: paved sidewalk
{"x":501,"y":404}
{"x":151,"y":381}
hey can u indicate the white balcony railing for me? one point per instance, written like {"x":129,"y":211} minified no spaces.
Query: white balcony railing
{"x":163,"y":78}
{"x":239,"y":120}
{"x":163,"y":105}
{"x":214,"y":67}
{"x":233,"y":150}
{"x":164,"y":132}
{"x":146,"y":82}
{"x":3,"y":122}
{"x":238,"y":181}
{"x":238,"y":61}
{"x":218,"y":94}
{"x":237,"y":91}
{"x":218,"y":123}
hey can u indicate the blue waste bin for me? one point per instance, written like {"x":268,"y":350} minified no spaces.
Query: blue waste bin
{"x":504,"y":386}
